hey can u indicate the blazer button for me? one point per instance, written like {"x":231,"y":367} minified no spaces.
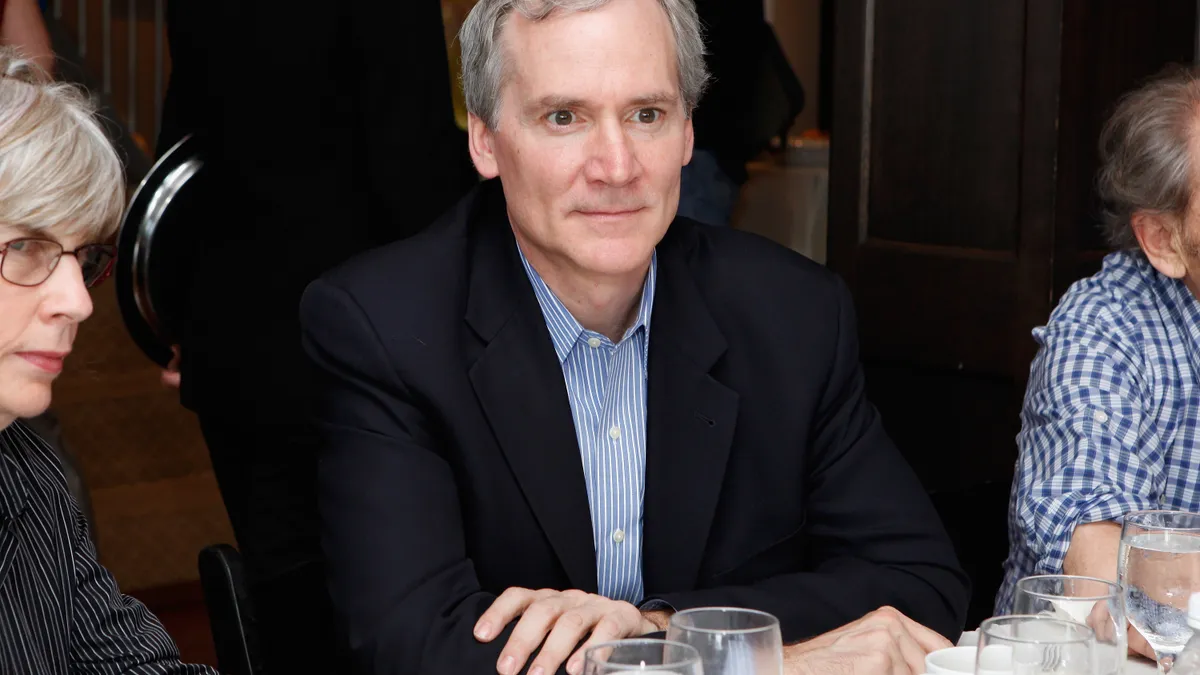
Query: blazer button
{"x":618,"y":536}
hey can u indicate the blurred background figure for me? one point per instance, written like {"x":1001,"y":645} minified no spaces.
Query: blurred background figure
{"x":22,"y":27}
{"x":754,"y":96}
{"x":328,"y":130}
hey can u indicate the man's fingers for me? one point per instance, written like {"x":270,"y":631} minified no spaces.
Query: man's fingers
{"x":571,"y":628}
{"x":910,"y":651}
{"x":887,"y":638}
{"x":899,"y":665}
{"x":611,"y":627}
{"x":929,"y":639}
{"x":170,"y":375}
{"x":1100,"y":621}
{"x":508,"y":606}
{"x":536,"y":623}
{"x":1138,"y":644}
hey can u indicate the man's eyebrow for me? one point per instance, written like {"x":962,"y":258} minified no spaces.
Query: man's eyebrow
{"x":657,"y":98}
{"x":554,"y":102}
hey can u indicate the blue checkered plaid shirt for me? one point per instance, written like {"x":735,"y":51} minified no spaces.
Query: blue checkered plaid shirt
{"x":1109,"y":423}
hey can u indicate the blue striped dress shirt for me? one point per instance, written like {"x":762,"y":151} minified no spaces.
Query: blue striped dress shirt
{"x":606,"y":384}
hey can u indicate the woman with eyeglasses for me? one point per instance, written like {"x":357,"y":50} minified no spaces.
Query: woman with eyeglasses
{"x":61,"y":197}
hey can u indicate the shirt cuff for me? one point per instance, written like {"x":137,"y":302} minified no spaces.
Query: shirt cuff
{"x":655,"y":605}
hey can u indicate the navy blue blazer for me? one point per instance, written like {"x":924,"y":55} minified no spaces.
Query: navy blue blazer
{"x":451,"y":470}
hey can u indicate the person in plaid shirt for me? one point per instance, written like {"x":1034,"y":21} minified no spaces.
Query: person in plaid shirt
{"x":1109,"y":422}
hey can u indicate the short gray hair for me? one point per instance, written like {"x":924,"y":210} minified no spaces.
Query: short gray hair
{"x":483,"y":71}
{"x":1145,"y":155}
{"x":58,"y":170}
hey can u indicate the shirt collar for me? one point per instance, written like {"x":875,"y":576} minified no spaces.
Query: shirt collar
{"x":565,"y":330}
{"x":1180,"y":303}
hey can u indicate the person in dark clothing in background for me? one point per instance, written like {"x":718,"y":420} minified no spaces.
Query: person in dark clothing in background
{"x":307,"y":116}
{"x":753,"y":95}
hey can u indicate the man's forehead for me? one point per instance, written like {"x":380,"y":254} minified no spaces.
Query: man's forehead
{"x":576,"y":63}
{"x":571,"y":44}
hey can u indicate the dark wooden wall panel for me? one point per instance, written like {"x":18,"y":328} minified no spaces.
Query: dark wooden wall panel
{"x":910,"y":312}
{"x":961,"y":204}
{"x":1109,"y":47}
{"x":946,"y":122}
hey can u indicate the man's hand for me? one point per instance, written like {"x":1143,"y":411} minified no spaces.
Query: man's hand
{"x":884,"y":642}
{"x":1138,"y":644}
{"x":170,"y":376}
{"x":558,"y":620}
{"x":1100,"y":620}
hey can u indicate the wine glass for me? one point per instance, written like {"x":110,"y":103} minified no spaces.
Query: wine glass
{"x":731,"y":641}
{"x":1159,"y":568}
{"x":642,"y":656}
{"x":1033,"y":644}
{"x":1095,"y":603}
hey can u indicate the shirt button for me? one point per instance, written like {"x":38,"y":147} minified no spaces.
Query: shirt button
{"x":593,"y":342}
{"x":614,"y":433}
{"x":1101,"y":416}
{"x":618,"y":536}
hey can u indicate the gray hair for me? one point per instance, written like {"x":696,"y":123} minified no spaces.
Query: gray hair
{"x":1145,"y":159}
{"x":58,"y":170}
{"x":483,"y":70}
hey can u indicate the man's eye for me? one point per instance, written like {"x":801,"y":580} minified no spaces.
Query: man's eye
{"x":561,"y":118}
{"x":649,"y":115}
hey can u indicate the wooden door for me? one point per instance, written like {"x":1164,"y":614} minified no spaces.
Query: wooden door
{"x":963,"y":147}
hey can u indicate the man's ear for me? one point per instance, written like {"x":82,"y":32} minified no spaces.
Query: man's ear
{"x":1161,"y":238}
{"x":689,"y":134}
{"x":482,"y":141}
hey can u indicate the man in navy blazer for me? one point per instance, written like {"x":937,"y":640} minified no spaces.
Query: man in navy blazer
{"x":561,"y":413}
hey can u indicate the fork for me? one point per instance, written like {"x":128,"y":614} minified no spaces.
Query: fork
{"x":1051,"y":658}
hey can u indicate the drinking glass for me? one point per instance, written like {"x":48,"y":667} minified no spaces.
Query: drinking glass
{"x":731,"y":641}
{"x":1035,"y":645}
{"x":1096,"y":603}
{"x":642,"y":656}
{"x":1159,"y":568}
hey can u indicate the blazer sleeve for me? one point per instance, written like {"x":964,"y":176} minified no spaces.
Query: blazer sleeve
{"x":399,"y":576}
{"x":112,"y":632}
{"x":873,"y":536}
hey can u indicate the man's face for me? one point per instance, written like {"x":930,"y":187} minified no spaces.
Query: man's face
{"x":591,"y":136}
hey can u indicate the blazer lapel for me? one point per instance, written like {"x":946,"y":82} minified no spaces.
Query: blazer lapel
{"x":690,"y":424}
{"x":519,"y":382}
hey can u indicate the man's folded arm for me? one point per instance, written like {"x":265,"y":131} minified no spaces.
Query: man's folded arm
{"x":871,"y":538}
{"x":401,"y":582}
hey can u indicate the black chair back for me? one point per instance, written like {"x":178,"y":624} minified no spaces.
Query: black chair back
{"x":230,"y":613}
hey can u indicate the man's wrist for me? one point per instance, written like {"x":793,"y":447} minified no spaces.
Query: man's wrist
{"x":659,"y":618}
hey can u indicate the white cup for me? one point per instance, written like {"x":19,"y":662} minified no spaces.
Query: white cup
{"x":961,"y":661}
{"x":951,"y":661}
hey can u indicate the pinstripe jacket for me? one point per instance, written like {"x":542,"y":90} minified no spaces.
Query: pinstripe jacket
{"x":60,"y":610}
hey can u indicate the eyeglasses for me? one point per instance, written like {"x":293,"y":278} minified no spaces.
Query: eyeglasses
{"x":29,"y":262}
